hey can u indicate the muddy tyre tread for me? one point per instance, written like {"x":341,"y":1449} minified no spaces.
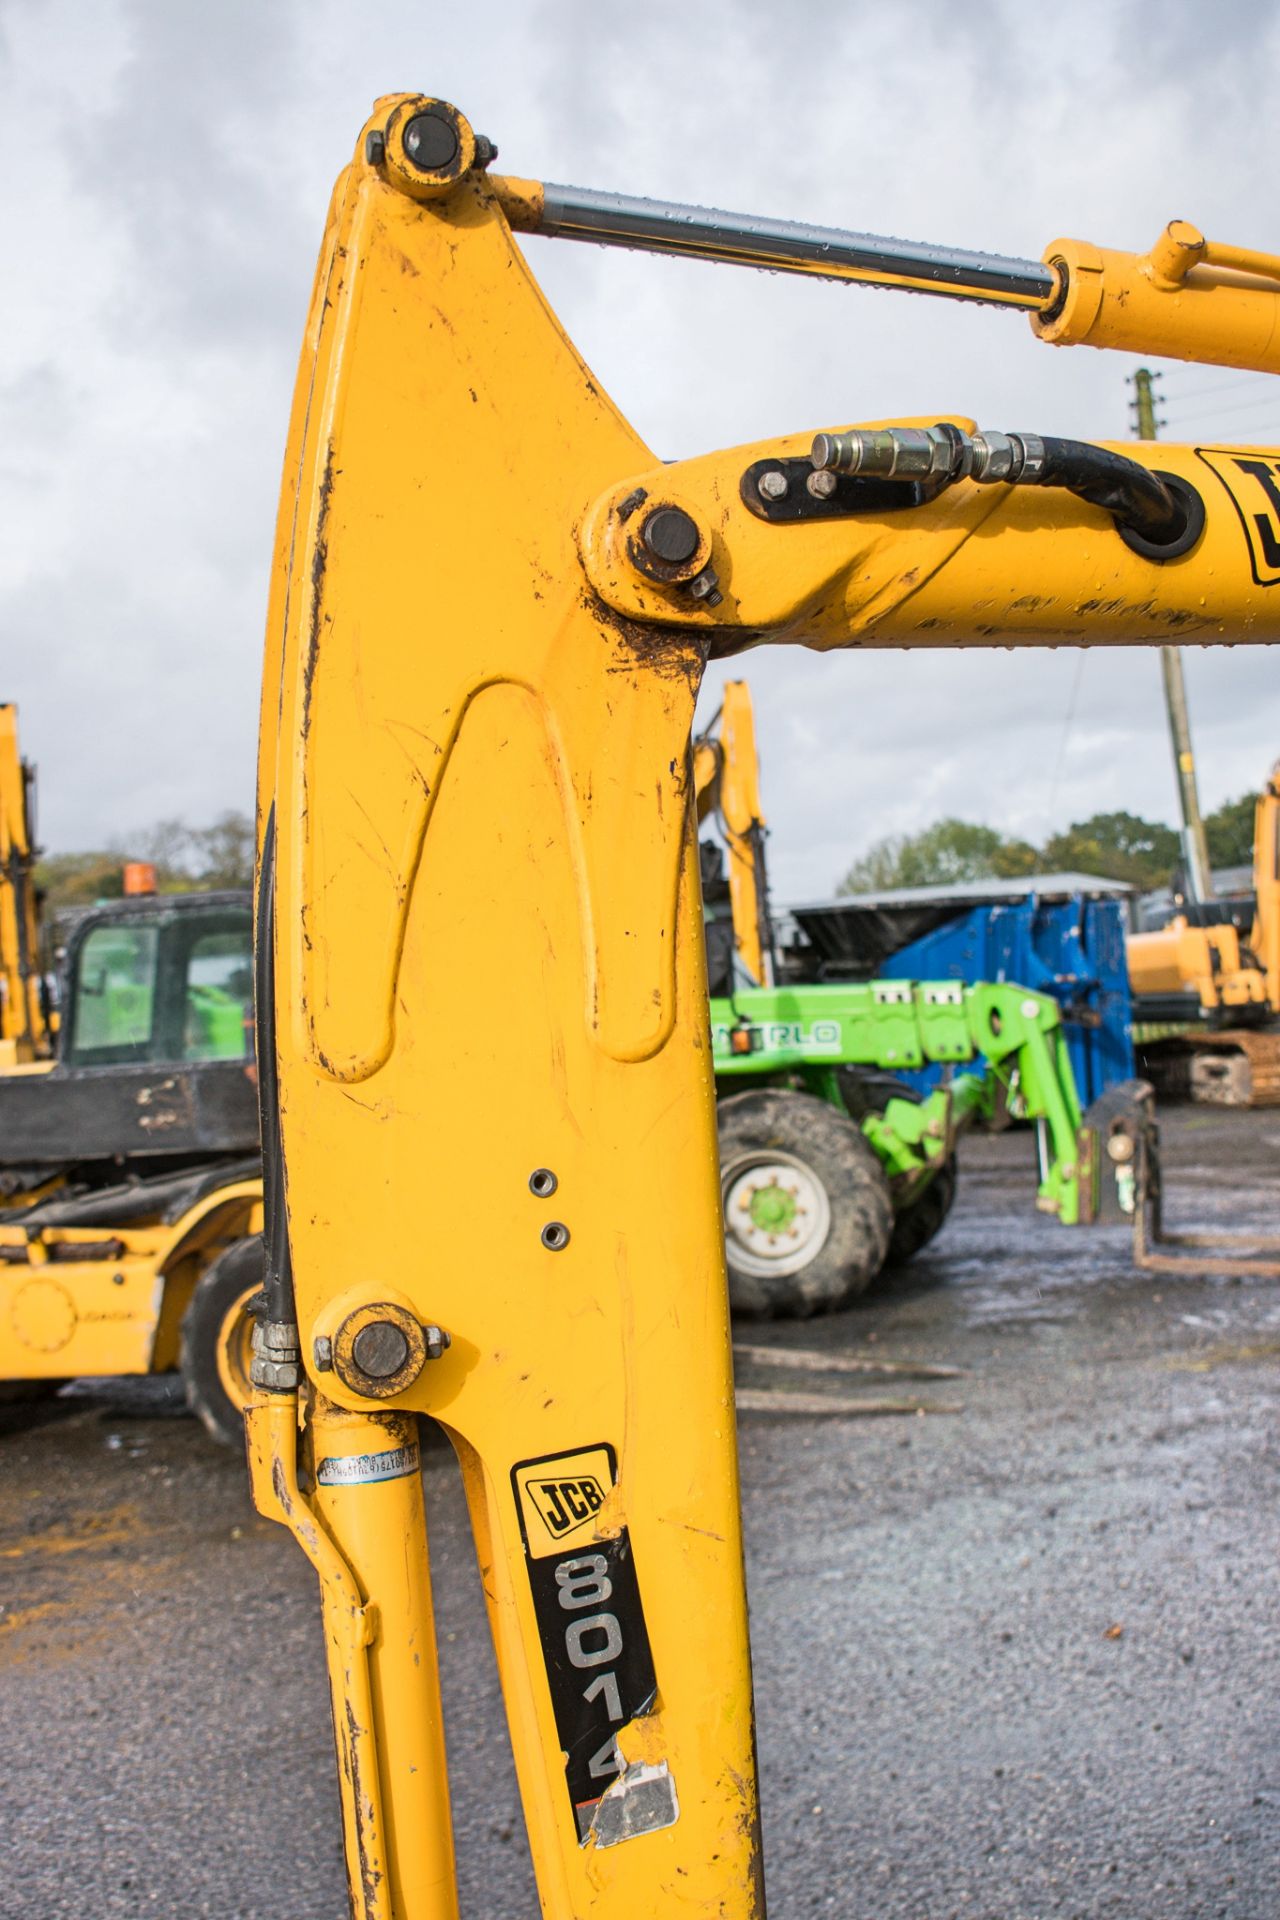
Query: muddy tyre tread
{"x":216,"y":1290}
{"x":834,"y":1148}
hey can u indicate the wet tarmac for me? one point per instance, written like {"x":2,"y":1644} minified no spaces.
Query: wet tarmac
{"x":1014,"y":1660}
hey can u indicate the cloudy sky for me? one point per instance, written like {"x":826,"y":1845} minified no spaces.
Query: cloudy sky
{"x":168,"y":166}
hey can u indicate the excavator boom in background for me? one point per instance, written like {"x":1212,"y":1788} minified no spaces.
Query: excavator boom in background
{"x":25,"y":1017}
{"x":490,"y":611}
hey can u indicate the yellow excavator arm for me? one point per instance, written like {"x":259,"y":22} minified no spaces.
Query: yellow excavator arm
{"x":488,"y":1112}
{"x":1265,"y":939}
{"x":24,"y":1027}
{"x":726,"y":786}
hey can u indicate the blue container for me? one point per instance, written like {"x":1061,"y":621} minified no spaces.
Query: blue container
{"x":1073,"y":949}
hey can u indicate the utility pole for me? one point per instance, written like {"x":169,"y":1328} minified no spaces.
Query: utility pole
{"x":1194,"y":845}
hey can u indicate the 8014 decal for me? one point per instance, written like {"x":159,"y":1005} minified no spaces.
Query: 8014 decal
{"x":590,"y":1619}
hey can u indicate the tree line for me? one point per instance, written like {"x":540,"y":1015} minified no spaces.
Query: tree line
{"x":1115,"y":846}
{"x":186,"y":859}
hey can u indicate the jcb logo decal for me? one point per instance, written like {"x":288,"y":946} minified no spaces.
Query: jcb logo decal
{"x":566,"y":1503}
{"x":1253,"y":482}
{"x":561,"y":1497}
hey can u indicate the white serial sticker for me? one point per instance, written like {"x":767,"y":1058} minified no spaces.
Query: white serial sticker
{"x":358,"y":1469}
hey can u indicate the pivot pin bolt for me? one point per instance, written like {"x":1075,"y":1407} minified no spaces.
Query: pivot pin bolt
{"x":772,"y":484}
{"x":431,"y":142}
{"x":822,"y":483}
{"x":380,"y":1349}
{"x":671,"y":535}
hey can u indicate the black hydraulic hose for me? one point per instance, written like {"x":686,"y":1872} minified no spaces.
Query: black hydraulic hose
{"x":277,"y":1283}
{"x":1159,"y":515}
{"x":1139,"y":500}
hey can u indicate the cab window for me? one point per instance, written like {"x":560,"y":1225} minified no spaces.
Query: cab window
{"x":115,"y":994}
{"x":218,"y":1022}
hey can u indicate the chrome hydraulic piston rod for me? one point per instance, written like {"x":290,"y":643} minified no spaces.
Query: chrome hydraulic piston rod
{"x":782,"y":246}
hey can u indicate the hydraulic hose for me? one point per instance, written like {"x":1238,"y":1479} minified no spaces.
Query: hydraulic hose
{"x":1158,"y":515}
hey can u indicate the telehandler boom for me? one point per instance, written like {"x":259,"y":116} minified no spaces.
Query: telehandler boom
{"x":490,"y":611}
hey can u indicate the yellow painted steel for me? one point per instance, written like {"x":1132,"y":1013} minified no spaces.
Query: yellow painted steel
{"x":1204,"y":960}
{"x":1188,"y":299}
{"x":488,"y":962}
{"x":24,"y":1027}
{"x":1213,"y":961}
{"x":1265,"y":937}
{"x":978,"y":566}
{"x":726,"y":779}
{"x":94,"y":1301}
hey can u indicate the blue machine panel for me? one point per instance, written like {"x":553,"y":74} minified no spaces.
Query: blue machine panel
{"x":1073,"y":949}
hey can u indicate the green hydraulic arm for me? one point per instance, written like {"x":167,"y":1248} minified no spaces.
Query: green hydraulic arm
{"x":808,"y":1033}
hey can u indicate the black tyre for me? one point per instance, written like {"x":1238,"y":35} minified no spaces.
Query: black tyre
{"x":916,"y":1224}
{"x":216,"y":1330}
{"x":806,"y":1204}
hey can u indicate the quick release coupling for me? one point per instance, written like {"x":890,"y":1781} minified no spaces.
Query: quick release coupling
{"x":940,"y":454}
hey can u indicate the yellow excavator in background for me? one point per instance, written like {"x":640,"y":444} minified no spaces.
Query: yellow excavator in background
{"x":491,"y":608}
{"x":26,"y":1020}
{"x":130,"y":1197}
{"x":1207,"y":991}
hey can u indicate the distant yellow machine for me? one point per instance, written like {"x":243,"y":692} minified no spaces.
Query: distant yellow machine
{"x":25,"y":1019}
{"x":726,"y":784}
{"x":130,"y":1188}
{"x":1231,"y":979}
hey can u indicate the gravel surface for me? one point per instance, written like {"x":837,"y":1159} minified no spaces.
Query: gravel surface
{"x":1013,"y":1660}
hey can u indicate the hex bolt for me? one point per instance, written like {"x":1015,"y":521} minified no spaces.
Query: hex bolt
{"x":707,"y":587}
{"x":822,"y":484}
{"x":438,"y":1342}
{"x":671,"y":535}
{"x":772,"y":484}
{"x":322,"y":1353}
{"x":542,"y":1183}
{"x":486,"y":152}
{"x":375,"y":148}
{"x":430,"y":142}
{"x":555,"y":1236}
{"x":380,"y":1349}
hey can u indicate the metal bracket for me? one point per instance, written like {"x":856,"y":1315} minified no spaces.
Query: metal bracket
{"x":844,"y":495}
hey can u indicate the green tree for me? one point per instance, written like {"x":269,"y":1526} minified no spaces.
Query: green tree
{"x":1229,"y":831}
{"x":186,"y":859}
{"x":1117,"y":846}
{"x":945,"y":854}
{"x":224,"y":852}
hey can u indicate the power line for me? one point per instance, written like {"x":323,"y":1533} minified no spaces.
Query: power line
{"x":1212,"y":413}
{"x":1232,"y":386}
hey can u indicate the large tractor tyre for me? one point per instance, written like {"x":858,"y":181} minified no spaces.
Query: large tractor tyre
{"x":807,"y":1214}
{"x":216,"y":1333}
{"x":917,"y":1224}
{"x":924,"y":1218}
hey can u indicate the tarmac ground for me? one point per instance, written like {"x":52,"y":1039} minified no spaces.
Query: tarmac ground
{"x":1013,"y":1660}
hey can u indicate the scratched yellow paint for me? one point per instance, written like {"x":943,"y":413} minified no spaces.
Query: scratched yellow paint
{"x":488,"y":960}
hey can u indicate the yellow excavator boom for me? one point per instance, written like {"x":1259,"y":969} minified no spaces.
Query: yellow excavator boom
{"x":481,"y":972}
{"x":24,"y":1029}
{"x":726,"y":785}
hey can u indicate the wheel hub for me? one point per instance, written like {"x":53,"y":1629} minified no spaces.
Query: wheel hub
{"x":776,"y":1213}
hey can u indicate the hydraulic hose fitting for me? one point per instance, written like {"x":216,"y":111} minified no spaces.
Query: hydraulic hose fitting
{"x":889,"y":453}
{"x":1158,"y":515}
